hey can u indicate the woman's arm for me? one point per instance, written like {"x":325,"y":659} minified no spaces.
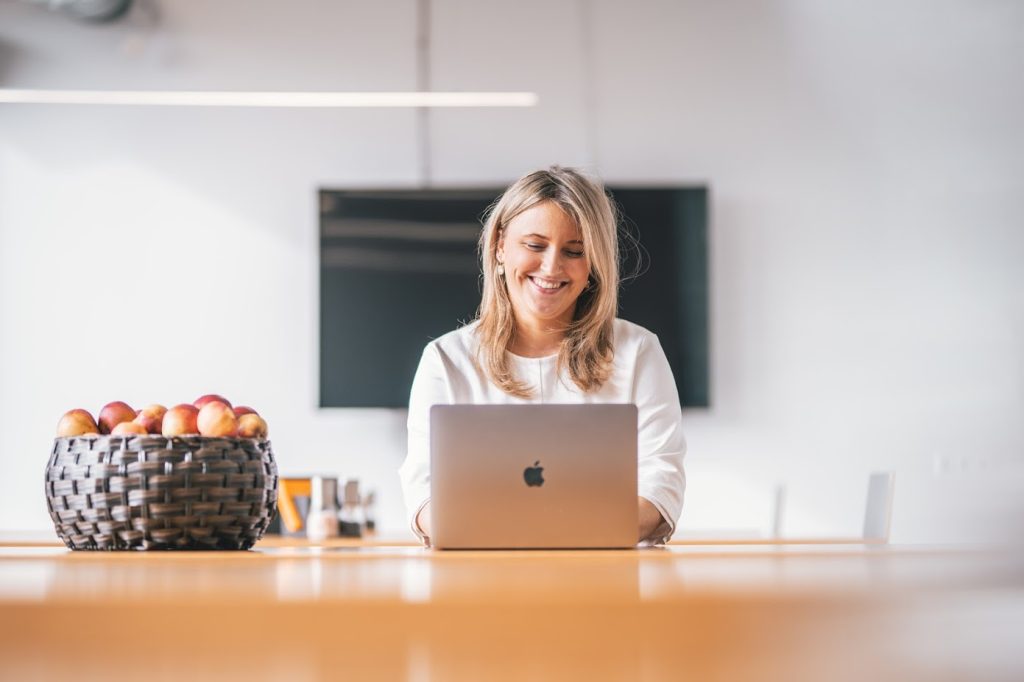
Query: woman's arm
{"x":661,"y":446}
{"x":429,"y":388}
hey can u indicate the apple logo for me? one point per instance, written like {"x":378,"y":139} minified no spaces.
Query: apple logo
{"x":534,"y":476}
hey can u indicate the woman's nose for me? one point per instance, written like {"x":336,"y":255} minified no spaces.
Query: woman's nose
{"x":551,"y":262}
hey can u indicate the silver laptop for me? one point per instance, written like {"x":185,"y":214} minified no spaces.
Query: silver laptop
{"x":533,"y":476}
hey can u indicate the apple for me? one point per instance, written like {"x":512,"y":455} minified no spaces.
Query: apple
{"x":180,"y":420}
{"x":209,"y":398}
{"x":76,"y":423}
{"x":216,"y":419}
{"x":126,"y":428}
{"x":150,"y":424}
{"x":113,"y":414}
{"x":151,"y":417}
{"x":243,"y":409}
{"x":251,"y":425}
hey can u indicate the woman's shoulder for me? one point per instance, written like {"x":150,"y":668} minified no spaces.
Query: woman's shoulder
{"x":629,"y":336}
{"x":458,"y":343}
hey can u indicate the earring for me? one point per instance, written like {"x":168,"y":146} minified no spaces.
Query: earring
{"x":501,"y":270}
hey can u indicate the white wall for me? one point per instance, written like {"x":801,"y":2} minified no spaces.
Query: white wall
{"x":867,"y":167}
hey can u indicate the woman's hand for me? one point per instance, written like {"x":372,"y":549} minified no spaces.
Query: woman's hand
{"x":423,"y":519}
{"x":650,"y":517}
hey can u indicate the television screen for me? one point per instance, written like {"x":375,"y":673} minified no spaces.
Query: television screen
{"x":399,"y":268}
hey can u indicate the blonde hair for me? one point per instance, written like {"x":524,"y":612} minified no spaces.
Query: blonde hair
{"x":587,"y":349}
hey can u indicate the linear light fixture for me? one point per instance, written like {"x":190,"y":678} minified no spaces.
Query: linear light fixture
{"x":180,"y":98}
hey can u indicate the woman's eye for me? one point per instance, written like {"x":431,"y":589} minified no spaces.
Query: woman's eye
{"x":534,"y":246}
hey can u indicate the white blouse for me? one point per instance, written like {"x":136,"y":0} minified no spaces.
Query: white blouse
{"x":447,"y":374}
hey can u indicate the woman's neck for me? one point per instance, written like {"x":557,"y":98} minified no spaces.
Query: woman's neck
{"x":537,"y":340}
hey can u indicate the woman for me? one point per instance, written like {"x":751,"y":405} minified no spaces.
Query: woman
{"x":546,"y":332}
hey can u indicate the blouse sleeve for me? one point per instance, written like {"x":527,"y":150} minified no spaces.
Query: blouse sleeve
{"x":661,"y":445}
{"x":428,"y":388}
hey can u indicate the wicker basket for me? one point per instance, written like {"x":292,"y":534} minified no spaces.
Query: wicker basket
{"x":152,"y":492}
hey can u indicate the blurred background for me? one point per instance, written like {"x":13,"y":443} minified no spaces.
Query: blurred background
{"x":865,"y":169}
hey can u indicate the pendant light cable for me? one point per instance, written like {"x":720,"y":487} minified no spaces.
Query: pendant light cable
{"x":423,"y":84}
{"x":589,"y":88}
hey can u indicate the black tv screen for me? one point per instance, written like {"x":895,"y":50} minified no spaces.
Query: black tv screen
{"x":399,"y":268}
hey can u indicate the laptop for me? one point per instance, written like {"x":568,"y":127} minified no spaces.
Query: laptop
{"x":533,"y":476}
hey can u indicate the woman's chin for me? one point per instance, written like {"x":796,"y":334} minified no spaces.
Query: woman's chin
{"x":543,"y":308}
{"x":547,"y":313}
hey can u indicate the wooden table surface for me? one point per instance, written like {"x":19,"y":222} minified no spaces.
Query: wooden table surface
{"x":383,"y":610}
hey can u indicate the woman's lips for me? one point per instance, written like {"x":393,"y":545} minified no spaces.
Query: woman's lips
{"x":547,"y":291}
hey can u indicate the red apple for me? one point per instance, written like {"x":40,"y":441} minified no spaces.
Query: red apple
{"x":76,"y":423}
{"x":151,"y":424}
{"x":239,"y":410}
{"x":251,"y":425}
{"x":209,"y":398}
{"x":216,"y":419}
{"x":127,"y":428}
{"x":151,"y":417}
{"x":113,"y":414}
{"x":180,"y":420}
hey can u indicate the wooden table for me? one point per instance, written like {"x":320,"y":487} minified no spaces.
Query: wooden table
{"x":379,"y":610}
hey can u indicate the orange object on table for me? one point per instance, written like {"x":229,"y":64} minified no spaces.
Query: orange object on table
{"x":288,"y":490}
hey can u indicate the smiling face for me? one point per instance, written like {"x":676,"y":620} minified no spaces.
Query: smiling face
{"x":546,"y":266}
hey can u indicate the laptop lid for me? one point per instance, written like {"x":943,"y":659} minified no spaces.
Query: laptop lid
{"x":533,"y":476}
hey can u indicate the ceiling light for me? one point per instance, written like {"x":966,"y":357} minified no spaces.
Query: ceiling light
{"x":177,"y":98}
